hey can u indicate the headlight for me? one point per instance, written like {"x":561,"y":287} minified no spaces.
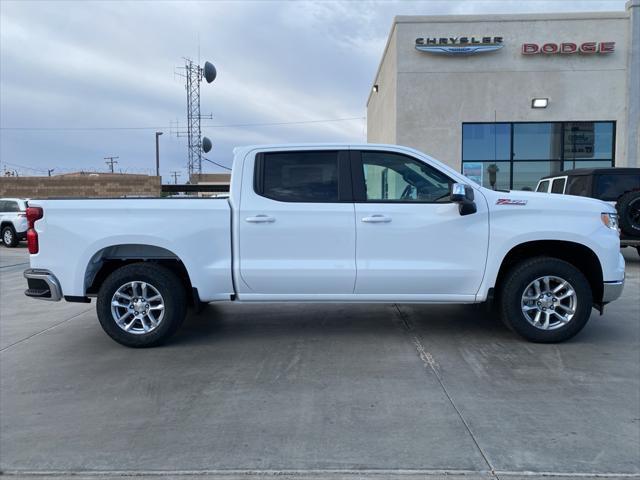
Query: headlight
{"x":610,"y":220}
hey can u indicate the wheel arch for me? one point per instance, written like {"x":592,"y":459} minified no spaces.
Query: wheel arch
{"x":110,"y":258}
{"x":577,"y":254}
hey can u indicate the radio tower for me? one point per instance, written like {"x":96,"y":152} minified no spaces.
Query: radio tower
{"x":194,"y":134}
{"x":194,"y":74}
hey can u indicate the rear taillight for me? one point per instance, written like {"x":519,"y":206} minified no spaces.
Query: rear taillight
{"x":32,"y":241}
{"x":33,"y":214}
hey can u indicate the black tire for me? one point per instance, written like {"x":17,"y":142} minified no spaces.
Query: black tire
{"x":165,"y":282}
{"x":521,"y":276}
{"x":9,"y":237}
{"x":628,"y":207}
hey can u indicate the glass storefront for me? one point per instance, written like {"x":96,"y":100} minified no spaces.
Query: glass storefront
{"x":516,"y":155}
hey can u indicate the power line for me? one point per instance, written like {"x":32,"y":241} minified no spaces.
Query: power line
{"x":230,"y":125}
{"x":175,"y":174}
{"x":24,"y":166}
{"x":216,"y":163}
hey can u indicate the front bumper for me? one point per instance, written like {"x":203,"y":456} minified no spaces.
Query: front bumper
{"x":612,"y":291}
{"x":43,"y":285}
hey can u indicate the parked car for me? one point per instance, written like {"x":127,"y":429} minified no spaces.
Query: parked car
{"x":618,"y":186}
{"x":330,"y":223}
{"x":13,"y":221}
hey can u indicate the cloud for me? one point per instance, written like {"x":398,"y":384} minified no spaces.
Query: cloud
{"x":111,"y":64}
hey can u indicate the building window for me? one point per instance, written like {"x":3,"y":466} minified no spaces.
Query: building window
{"x":516,"y":155}
{"x":537,"y":141}
{"x":487,"y":140}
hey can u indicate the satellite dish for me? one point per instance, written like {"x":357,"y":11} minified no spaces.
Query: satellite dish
{"x":206,"y":143}
{"x":209,"y":72}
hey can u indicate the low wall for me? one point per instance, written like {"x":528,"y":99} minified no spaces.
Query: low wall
{"x":100,"y":185}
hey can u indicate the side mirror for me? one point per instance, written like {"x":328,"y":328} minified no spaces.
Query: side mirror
{"x":463,"y":195}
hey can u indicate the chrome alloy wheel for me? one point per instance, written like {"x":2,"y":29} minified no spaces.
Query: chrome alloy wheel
{"x":549,"y":302}
{"x":137,"y":307}
{"x":7,"y":238}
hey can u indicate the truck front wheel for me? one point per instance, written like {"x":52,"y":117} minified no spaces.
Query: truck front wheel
{"x":141,"y":304}
{"x":545,"y":300}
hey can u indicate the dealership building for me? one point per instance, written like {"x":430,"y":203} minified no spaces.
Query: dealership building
{"x":507,"y":99}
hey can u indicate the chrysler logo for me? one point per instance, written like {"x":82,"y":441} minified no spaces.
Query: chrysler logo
{"x":458,"y":45}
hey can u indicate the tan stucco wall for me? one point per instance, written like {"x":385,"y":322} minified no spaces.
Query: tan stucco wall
{"x":437,"y":93}
{"x":381,"y":109}
{"x":633,"y":86}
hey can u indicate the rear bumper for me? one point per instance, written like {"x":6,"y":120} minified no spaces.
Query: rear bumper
{"x":43,"y":285}
{"x":612,"y":291}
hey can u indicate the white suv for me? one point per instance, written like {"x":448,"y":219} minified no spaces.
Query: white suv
{"x":13,"y":221}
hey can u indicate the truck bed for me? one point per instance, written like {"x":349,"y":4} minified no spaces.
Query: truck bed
{"x":196,"y":230}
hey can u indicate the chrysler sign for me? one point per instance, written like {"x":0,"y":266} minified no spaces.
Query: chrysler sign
{"x":458,"y":45}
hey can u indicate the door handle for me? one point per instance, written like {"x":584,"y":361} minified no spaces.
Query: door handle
{"x":377,"y":219}
{"x":260,"y":219}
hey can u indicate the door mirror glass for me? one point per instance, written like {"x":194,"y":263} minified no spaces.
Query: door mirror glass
{"x":463,"y":195}
{"x":457,"y":192}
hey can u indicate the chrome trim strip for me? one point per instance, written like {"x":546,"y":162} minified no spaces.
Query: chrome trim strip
{"x":50,"y":280}
{"x":612,"y":291}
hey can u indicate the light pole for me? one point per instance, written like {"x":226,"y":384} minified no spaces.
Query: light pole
{"x":158,"y":154}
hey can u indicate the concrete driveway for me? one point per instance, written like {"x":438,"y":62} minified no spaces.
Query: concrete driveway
{"x":330,"y":391}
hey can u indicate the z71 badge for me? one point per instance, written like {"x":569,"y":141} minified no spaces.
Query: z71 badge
{"x":510,"y":201}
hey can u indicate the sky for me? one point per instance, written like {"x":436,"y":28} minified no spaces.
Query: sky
{"x":83,"y":80}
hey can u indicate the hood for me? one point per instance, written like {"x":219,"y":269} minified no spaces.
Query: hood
{"x":544,"y":201}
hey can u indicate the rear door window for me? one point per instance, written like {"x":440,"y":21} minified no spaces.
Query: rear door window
{"x":543,"y":186}
{"x":558,"y":185}
{"x":609,"y":187}
{"x":306,"y":176}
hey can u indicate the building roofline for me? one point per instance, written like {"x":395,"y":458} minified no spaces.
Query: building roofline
{"x":512,"y":17}
{"x":493,"y":17}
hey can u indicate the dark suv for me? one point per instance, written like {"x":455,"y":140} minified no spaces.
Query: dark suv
{"x":618,"y":186}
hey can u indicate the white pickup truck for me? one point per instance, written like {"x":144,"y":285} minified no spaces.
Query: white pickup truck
{"x":330,"y":223}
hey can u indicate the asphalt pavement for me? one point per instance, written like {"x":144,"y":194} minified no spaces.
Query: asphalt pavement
{"x":316,"y":391}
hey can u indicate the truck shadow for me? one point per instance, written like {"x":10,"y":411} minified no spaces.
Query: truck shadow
{"x":323,"y":322}
{"x":222,"y":322}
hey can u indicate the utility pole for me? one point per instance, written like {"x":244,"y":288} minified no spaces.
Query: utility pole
{"x":110,"y":161}
{"x":158,"y":154}
{"x":175,"y":175}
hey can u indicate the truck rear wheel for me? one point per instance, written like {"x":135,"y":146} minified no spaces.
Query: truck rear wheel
{"x":545,"y":300}
{"x":141,"y":304}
